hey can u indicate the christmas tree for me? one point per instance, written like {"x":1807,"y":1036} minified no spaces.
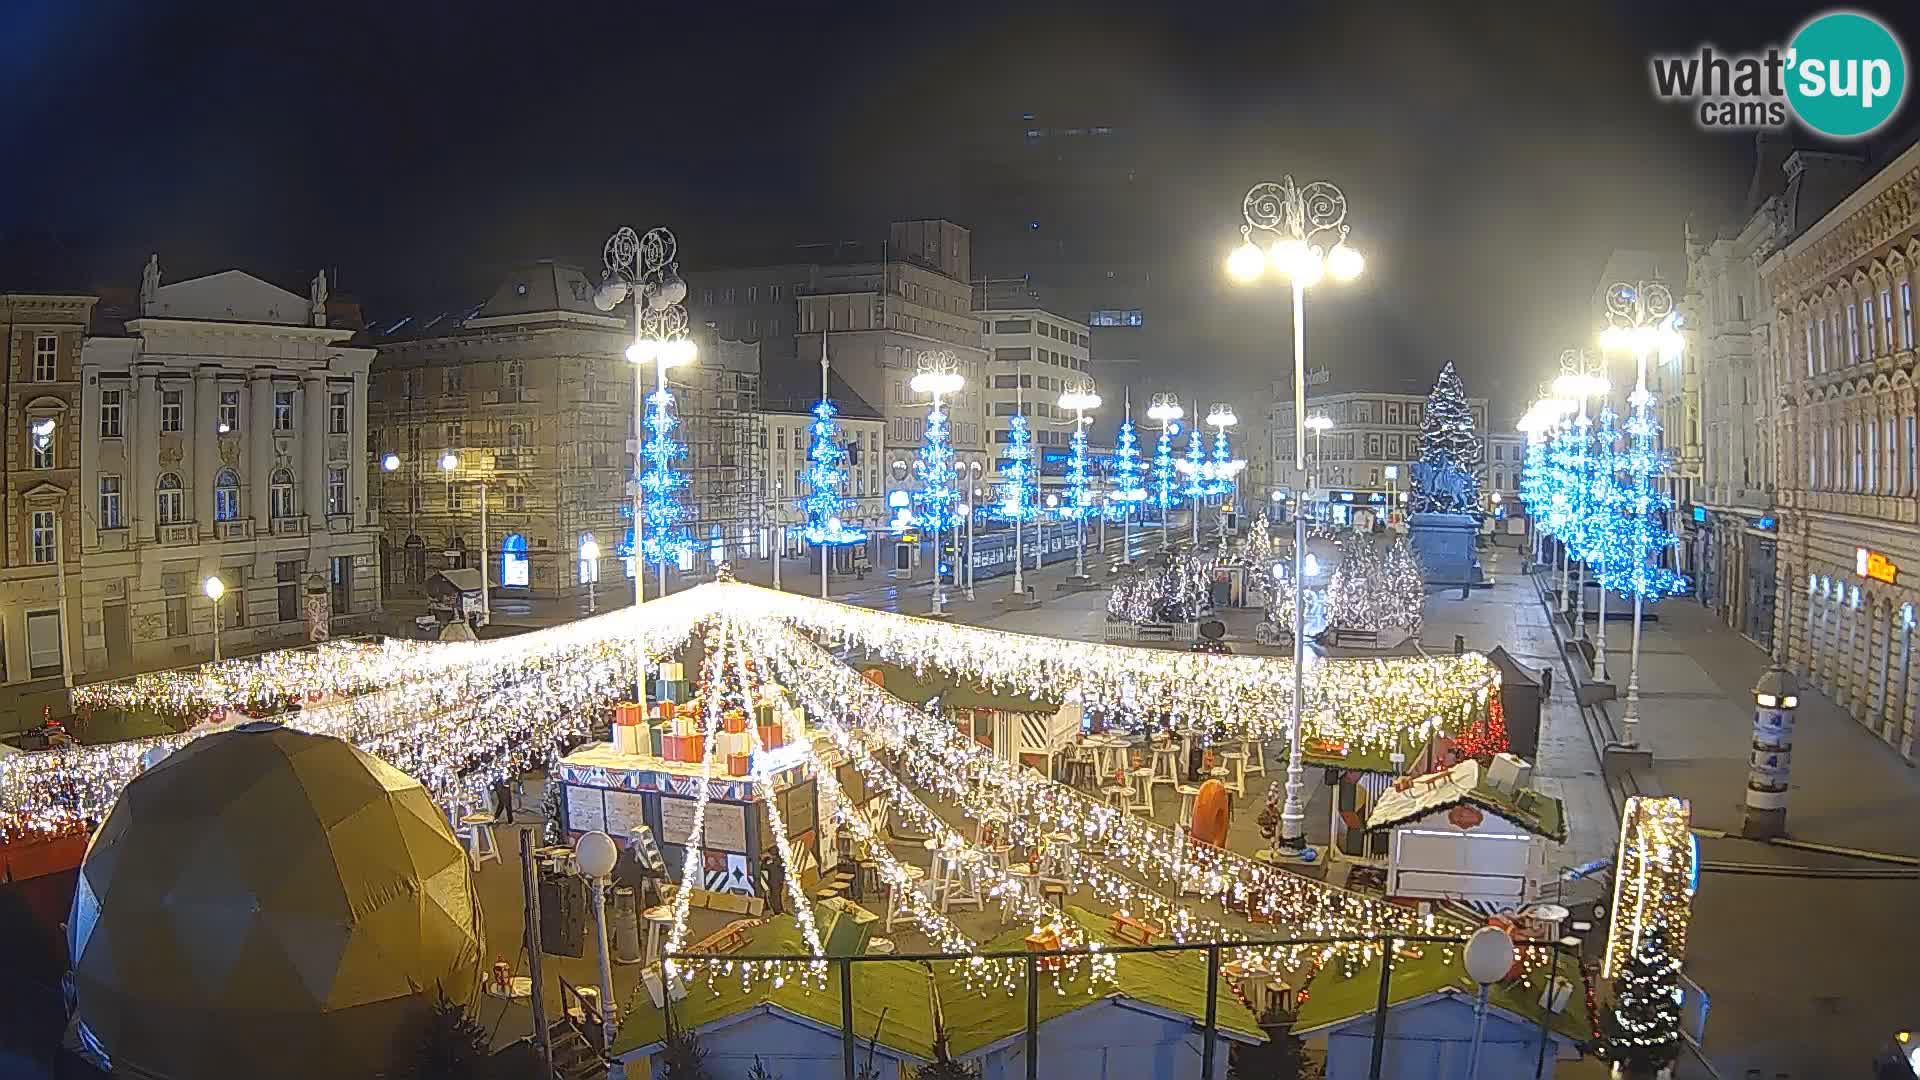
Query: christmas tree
{"x":1634,"y":569}
{"x":1406,"y":587}
{"x":1222,"y":463}
{"x":1166,"y":495}
{"x":663,"y":539}
{"x":1196,"y":468}
{"x":1371,"y":592}
{"x":937,"y":496}
{"x":1604,"y":533}
{"x":1017,"y":496}
{"x":1079,"y":501}
{"x":1533,"y":479}
{"x":1641,"y":1033}
{"x":1128,"y":470}
{"x":1487,"y":736}
{"x":1447,"y":438}
{"x":827,"y":473}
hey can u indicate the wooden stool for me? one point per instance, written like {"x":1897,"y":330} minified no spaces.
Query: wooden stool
{"x":1116,"y":795}
{"x":991,"y":827}
{"x":1001,"y":855}
{"x":962,"y":886}
{"x":1235,"y":764}
{"x":1256,"y":751}
{"x":1141,"y":800}
{"x":1188,"y":792}
{"x":659,"y":927}
{"x":1082,"y":770}
{"x":896,"y":889}
{"x":1054,"y":891}
{"x":481,"y":845}
{"x":1166,"y":765}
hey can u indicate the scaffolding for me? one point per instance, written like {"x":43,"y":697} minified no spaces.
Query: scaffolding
{"x":719,"y":399}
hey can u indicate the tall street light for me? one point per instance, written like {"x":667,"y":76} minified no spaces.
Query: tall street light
{"x":1226,"y":468}
{"x":215,"y":589}
{"x":449,"y":464}
{"x":645,"y":269}
{"x":1641,"y":321}
{"x":938,"y":376}
{"x":590,"y":562}
{"x":1081,"y":400}
{"x":1166,"y":412}
{"x":1299,"y":220}
{"x":1581,"y":385}
{"x":1319,"y":424}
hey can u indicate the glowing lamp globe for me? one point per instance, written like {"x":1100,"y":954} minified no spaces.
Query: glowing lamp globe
{"x":678,"y":352}
{"x":1344,"y":263}
{"x":1287,"y":254}
{"x":390,"y":462}
{"x":642,"y":351}
{"x":1310,"y":267}
{"x":266,"y":902}
{"x":1247,"y":262}
{"x":449,"y":462}
{"x":595,"y":854}
{"x":1489,"y":955}
{"x":610,"y":294}
{"x":214,"y":588}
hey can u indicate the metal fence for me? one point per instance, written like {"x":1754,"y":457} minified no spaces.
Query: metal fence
{"x":841,"y":974}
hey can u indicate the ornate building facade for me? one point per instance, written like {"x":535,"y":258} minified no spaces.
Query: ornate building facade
{"x":1849,"y":452}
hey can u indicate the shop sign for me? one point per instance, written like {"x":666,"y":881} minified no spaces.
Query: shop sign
{"x":1875,"y":566}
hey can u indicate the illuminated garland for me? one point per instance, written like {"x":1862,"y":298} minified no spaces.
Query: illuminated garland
{"x":1079,"y":500}
{"x":1167,"y":496}
{"x":1018,"y":501}
{"x":665,"y":539}
{"x":1655,"y":872}
{"x":693,"y":861}
{"x":1128,"y":469}
{"x":1644,"y":512}
{"x":827,"y":474}
{"x":1196,"y":468}
{"x":937,"y":496}
{"x":271,"y":683}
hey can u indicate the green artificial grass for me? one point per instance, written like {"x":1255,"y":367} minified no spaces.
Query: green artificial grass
{"x":1334,"y":996}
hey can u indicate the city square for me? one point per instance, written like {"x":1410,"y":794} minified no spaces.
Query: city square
{"x":1184,"y":581}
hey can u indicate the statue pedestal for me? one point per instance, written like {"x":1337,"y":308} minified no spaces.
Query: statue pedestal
{"x":1445,"y":544}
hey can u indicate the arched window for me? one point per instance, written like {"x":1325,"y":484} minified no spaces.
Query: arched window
{"x":513,"y":561}
{"x":226,"y":496}
{"x":516,"y":437}
{"x":281,"y":503}
{"x":516,"y":376}
{"x":170,"y":502}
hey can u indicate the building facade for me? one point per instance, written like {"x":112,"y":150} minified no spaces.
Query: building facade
{"x":1033,"y":356}
{"x":1367,"y":455}
{"x":42,"y":501}
{"x":223,"y":432}
{"x":532,"y":396}
{"x":787,"y":435}
{"x":1847,"y":477}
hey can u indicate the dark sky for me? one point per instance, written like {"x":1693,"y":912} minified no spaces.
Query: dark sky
{"x":1493,"y":154}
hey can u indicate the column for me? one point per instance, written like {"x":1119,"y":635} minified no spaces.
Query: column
{"x":143,"y":452}
{"x":259,"y":470}
{"x":89,"y":440}
{"x":312,"y":499}
{"x":357,"y":447}
{"x":206,"y":452}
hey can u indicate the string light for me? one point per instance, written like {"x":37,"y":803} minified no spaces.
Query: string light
{"x":827,"y":472}
{"x":1655,"y":872}
{"x":665,"y":539}
{"x":1017,"y":498}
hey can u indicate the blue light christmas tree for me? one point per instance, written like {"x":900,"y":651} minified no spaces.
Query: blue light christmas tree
{"x":1222,"y":464}
{"x":1534,"y":482}
{"x":1128,"y":471}
{"x":663,"y":538}
{"x":1564,"y":486}
{"x":1633,"y":567}
{"x":937,"y":498}
{"x":1079,"y":500}
{"x":1196,"y":467}
{"x":1166,"y":495}
{"x":1017,"y":496}
{"x":827,"y":473}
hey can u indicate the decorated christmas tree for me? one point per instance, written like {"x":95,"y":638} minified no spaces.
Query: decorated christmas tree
{"x":1487,"y":736}
{"x":1533,"y":479}
{"x":937,"y":498}
{"x":1079,"y":501}
{"x":1405,"y":586}
{"x":1632,"y":567}
{"x":1166,"y":492}
{"x":827,"y":475}
{"x":1354,"y":599}
{"x":1447,"y":438}
{"x":1129,"y":471}
{"x":1017,"y":496}
{"x":1222,"y":463}
{"x":1641,"y":1033}
{"x":1604,"y":533}
{"x":663,"y":538}
{"x":1196,"y":467}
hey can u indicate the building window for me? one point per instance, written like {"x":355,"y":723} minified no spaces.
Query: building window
{"x":773,"y":293}
{"x":1856,"y":456}
{"x":516,"y":376}
{"x":337,"y":412}
{"x":229,"y":411}
{"x":1853,"y":334}
{"x":1886,"y":319}
{"x":170,"y":504}
{"x":516,"y":497}
{"x":1873,"y":457}
{"x":176,"y":616}
{"x":283,"y":410}
{"x":40,"y":443}
{"x":1906,"y":314}
{"x":336,"y":490}
{"x":226,"y":496}
{"x":340,"y":580}
{"x":1913,"y":454}
{"x":1866,"y":326}
{"x":1809,"y":348}
{"x":46,"y":358}
{"x":1116,"y":317}
{"x":40,"y":537}
{"x":753,"y":294}
{"x":286,"y":576}
{"x":280,"y":501}
{"x":516,"y":437}
{"x":453,"y":380}
{"x":453,"y":496}
{"x":109,"y":502}
{"x":109,"y":414}
{"x":171,"y":410}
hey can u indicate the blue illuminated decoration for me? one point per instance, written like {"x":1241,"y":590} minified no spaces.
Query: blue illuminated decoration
{"x":827,"y":473}
{"x":1166,"y":495}
{"x":664,"y":539}
{"x":1197,"y":469}
{"x":937,"y":497}
{"x":1128,"y":471}
{"x":1700,"y":514}
{"x":1079,"y":501}
{"x":1018,"y":495}
{"x":1766,"y":522}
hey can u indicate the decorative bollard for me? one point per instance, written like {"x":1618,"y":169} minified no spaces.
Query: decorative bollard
{"x":1775,"y":698}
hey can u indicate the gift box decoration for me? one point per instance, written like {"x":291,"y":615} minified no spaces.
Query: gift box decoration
{"x":654,"y":733}
{"x":736,"y":743}
{"x":630,"y":739}
{"x":737,"y":764}
{"x":671,"y":689}
{"x":628,"y":713}
{"x":763,"y":713}
{"x":772,"y":737}
{"x":663,"y":709}
{"x":1046,"y":940}
{"x":736,"y":721}
{"x":673,"y":671}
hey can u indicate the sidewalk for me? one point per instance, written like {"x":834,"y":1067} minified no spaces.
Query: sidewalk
{"x":1808,"y":975}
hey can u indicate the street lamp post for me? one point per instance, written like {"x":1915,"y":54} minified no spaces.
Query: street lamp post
{"x":1166,"y":412}
{"x":939,"y":376}
{"x":645,"y":270}
{"x":1296,"y":217}
{"x":590,"y":560}
{"x":1081,"y":400}
{"x":215,"y":589}
{"x":1641,"y":318}
{"x":595,"y":854}
{"x":449,"y":462}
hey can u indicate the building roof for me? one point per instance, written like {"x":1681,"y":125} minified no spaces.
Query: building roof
{"x":1336,"y":995}
{"x":1170,"y":984}
{"x":1418,"y":796}
{"x":794,"y":388}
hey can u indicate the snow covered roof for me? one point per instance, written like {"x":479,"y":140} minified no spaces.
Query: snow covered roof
{"x":1417,"y":796}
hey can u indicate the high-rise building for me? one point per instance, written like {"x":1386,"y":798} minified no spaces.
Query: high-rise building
{"x":1034,"y":354}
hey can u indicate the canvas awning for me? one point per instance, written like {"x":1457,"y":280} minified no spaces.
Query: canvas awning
{"x":1418,"y":796}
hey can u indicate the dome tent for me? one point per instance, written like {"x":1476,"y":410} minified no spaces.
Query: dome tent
{"x":266,"y":902}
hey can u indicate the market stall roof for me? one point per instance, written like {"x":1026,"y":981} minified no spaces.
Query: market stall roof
{"x":461,"y":579}
{"x":1334,"y":996}
{"x":919,"y":689}
{"x":1321,"y":754}
{"x":1166,"y":983}
{"x":1418,"y":796}
{"x":1511,"y":673}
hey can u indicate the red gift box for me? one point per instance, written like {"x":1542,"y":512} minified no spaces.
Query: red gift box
{"x":736,"y":722}
{"x":663,"y":709}
{"x":628,"y":714}
{"x":675,"y":746}
{"x":736,"y":764}
{"x":772,"y":737}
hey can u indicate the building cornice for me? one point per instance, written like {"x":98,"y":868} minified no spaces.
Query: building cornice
{"x":330,"y":335}
{"x":1876,"y":213}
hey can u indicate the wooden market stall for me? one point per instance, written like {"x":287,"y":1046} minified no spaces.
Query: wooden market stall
{"x":1026,"y":730}
{"x":1472,"y":833}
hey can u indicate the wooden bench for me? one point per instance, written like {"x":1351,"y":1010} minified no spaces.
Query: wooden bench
{"x":1134,"y":931}
{"x":729,"y":938}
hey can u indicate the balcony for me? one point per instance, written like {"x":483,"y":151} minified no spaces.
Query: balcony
{"x":290,"y":526}
{"x":234,"y":529}
{"x":181,"y":535}
{"x":339,"y":523}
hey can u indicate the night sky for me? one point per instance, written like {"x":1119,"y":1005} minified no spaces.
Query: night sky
{"x":1493,"y":155}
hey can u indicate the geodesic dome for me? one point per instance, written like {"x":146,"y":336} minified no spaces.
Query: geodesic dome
{"x":265,"y":902}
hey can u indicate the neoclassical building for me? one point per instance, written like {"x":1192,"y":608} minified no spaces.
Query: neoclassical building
{"x":1849,"y":452}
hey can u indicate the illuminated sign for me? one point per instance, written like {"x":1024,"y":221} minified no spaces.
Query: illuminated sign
{"x":1874,"y":566}
{"x":1700,"y":513}
{"x":1764,"y":523}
